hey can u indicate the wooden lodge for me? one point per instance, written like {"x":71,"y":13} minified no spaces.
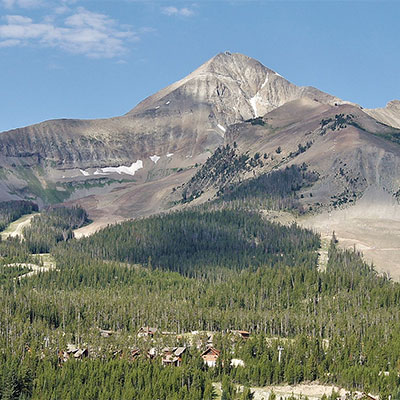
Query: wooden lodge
{"x":210,"y":356}
{"x":74,"y":352}
{"x":242,"y":334}
{"x":173,"y":356}
{"x":147,"y":331}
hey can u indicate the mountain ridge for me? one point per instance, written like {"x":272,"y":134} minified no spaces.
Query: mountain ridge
{"x":389,"y":115}
{"x":177,"y":127}
{"x":140,"y":163}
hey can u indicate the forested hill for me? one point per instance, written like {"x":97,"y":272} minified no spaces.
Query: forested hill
{"x":195,"y":240}
{"x":52,"y":226}
{"x":193,"y":274}
{"x":340,"y":326}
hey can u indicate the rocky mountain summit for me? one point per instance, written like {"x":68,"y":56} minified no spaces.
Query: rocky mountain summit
{"x":189,"y":116}
{"x":127,"y":166}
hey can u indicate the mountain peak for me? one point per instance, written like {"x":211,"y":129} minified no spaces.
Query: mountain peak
{"x":394,"y":104}
{"x":228,"y":57}
{"x":226,"y":63}
{"x":235,"y":87}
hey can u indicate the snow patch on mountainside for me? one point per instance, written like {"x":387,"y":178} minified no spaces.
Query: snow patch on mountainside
{"x":255,"y":100}
{"x":154,"y":158}
{"x":223,"y":129}
{"x":253,"y":103}
{"x":265,"y":82}
{"x":121,"y":170}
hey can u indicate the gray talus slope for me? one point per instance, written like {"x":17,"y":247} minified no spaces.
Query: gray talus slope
{"x":389,"y":115}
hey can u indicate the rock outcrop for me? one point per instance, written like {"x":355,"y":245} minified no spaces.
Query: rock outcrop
{"x":389,"y":115}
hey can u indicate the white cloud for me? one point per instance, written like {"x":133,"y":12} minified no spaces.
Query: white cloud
{"x":83,"y":32}
{"x":10,"y":43}
{"x":63,"y":6}
{"x":21,"y":3}
{"x":183,"y":12}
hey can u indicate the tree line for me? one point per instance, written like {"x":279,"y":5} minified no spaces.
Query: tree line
{"x":12,"y":210}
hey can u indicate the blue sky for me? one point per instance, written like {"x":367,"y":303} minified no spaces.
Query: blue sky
{"x":99,"y":58}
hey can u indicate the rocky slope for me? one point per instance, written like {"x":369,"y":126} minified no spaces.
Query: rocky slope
{"x":190,"y":115}
{"x":175,"y":128}
{"x":347,"y":148}
{"x":389,"y":115}
{"x":165,"y":137}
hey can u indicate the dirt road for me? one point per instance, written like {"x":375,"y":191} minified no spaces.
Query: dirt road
{"x":48,"y":265}
{"x":16,"y":227}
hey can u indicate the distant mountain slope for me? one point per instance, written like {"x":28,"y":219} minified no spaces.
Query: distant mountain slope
{"x":236,"y":86}
{"x":190,"y":115}
{"x":177,"y":127}
{"x":127,"y":166}
{"x":345,"y":147}
{"x":389,"y":115}
{"x":154,"y":158}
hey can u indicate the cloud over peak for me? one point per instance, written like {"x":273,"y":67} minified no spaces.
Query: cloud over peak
{"x":82,"y":32}
{"x":183,"y":12}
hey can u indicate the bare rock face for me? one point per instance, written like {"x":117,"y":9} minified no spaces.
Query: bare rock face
{"x":236,"y":88}
{"x":162,"y":139}
{"x":389,"y":115}
{"x":188,"y":117}
{"x":181,"y":124}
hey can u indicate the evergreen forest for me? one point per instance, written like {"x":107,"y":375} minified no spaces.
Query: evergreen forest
{"x":197,"y":277}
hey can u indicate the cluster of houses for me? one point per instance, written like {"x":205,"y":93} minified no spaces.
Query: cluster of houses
{"x":73,"y":352}
{"x":170,"y":356}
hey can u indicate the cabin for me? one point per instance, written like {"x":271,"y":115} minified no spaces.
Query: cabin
{"x":170,"y":359}
{"x":173,"y":356}
{"x":74,"y":352}
{"x":105,"y":333}
{"x":147,"y":331}
{"x":179,"y":351}
{"x":210,"y":356}
{"x":242,"y":334}
{"x":81,"y":353}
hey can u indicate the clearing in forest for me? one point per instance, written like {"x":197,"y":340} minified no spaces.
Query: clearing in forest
{"x":16,"y":227}
{"x":323,"y":253}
